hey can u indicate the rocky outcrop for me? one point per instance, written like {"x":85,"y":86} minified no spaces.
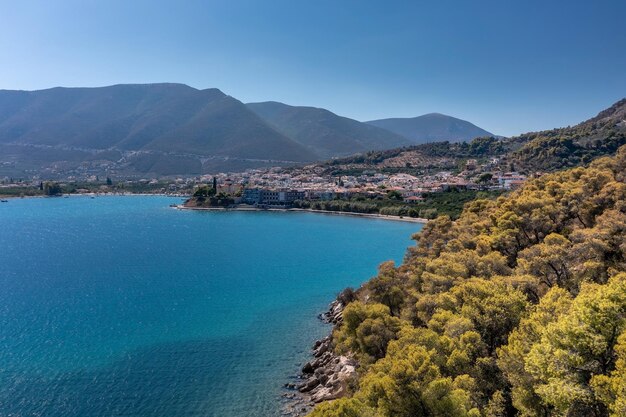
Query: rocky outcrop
{"x":325,"y":377}
{"x":334,"y":315}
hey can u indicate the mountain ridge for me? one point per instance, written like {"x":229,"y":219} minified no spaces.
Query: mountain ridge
{"x":330,"y":134}
{"x":143,"y":117}
{"x":431,"y":127}
{"x":169,"y":128}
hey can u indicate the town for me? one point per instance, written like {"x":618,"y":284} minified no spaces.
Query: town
{"x":275,"y":187}
{"x":279,"y":186}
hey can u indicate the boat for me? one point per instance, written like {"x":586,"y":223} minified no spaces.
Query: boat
{"x":4,"y":201}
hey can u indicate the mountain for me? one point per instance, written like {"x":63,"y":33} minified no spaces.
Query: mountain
{"x":548,"y":150}
{"x":573,"y":145}
{"x":324,"y":132}
{"x":168,"y":120}
{"x":431,"y":128}
{"x":614,"y":115}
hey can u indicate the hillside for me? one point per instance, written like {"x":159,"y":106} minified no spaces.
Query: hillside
{"x":431,"y":127}
{"x":516,"y":308}
{"x":528,"y":153}
{"x":168,"y":120}
{"x":324,"y":132}
{"x":572,"y":146}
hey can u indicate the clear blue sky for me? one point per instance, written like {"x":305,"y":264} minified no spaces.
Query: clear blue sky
{"x":507,"y":66}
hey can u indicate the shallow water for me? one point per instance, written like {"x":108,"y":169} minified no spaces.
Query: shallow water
{"x":122,"y":306}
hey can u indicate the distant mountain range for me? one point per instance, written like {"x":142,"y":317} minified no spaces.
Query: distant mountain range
{"x":433,"y":127}
{"x":167,"y":129}
{"x":165,"y":117}
{"x":325,"y":133}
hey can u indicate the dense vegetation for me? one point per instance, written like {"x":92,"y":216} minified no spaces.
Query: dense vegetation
{"x":573,"y":146}
{"x":52,"y":189}
{"x":479,"y":147}
{"x":518,"y":308}
{"x":72,"y":187}
{"x":207,"y":196}
{"x":449,"y":203}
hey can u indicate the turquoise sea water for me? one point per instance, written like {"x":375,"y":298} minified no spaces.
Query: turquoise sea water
{"x":122,"y":306}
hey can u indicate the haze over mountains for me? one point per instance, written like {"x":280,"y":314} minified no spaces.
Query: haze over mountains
{"x":324,"y":132}
{"x":167,"y":129}
{"x":432,"y":127}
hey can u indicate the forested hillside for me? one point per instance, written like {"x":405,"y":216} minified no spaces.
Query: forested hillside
{"x":518,"y":308}
{"x":573,"y":146}
{"x":528,"y":153}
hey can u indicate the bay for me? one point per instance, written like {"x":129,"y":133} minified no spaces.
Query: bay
{"x":124,"y":306}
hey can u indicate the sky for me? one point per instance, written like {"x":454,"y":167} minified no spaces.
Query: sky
{"x":507,"y":66}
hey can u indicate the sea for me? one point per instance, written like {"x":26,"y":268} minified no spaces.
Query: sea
{"x":124,"y":306}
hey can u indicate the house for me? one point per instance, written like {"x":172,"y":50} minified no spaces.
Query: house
{"x":470,"y":165}
{"x":413,"y":199}
{"x":511,"y":180}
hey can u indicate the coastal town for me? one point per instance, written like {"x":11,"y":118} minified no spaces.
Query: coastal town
{"x":312,"y":186}
{"x":282,"y":187}
{"x":277,"y":187}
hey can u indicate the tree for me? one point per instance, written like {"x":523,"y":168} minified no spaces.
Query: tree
{"x":204,"y":191}
{"x":512,"y":357}
{"x":52,"y":189}
{"x":394,"y":195}
{"x":517,"y":308}
{"x":611,"y":389}
{"x":366,"y":330}
{"x":485,"y":178}
{"x":409,"y":383}
{"x":343,"y":407}
{"x":386,"y":288}
{"x":578,"y":347}
{"x":549,"y":261}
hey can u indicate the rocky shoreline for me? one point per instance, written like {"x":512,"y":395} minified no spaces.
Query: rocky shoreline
{"x":326,"y":377}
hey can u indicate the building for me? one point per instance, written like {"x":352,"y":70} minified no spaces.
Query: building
{"x":413,"y":199}
{"x":266,"y":197}
{"x":511,"y":180}
{"x":288,"y":197}
{"x":251,"y":196}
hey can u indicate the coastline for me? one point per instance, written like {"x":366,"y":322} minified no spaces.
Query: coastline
{"x":246,"y":208}
{"x":326,"y":376}
{"x":337,"y":213}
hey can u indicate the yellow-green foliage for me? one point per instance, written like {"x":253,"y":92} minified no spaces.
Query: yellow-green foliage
{"x":516,"y":308}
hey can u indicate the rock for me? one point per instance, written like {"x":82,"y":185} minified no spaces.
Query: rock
{"x":307,"y":368}
{"x":325,"y":377}
{"x":309,"y":385}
